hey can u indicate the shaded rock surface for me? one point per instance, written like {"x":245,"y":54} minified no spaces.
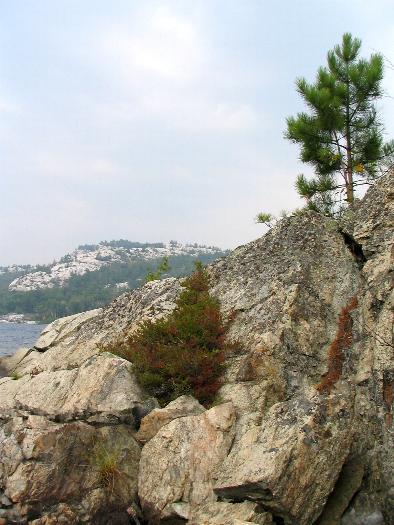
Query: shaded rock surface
{"x":274,"y":448}
{"x":221,"y":513}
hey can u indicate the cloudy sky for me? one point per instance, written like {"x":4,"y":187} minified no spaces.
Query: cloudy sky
{"x":156,"y":120}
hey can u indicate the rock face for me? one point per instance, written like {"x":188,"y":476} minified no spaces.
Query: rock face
{"x":303,"y":430}
{"x":68,"y":418}
{"x":45,"y":463}
{"x":177,"y":464}
{"x":291,"y":461}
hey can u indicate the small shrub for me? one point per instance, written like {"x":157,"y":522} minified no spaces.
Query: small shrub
{"x":184,"y":353}
{"x":160,"y":270}
{"x":15,"y":376}
{"x":336,"y":352}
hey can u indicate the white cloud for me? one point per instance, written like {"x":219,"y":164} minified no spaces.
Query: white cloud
{"x":236,"y":118}
{"x":67,"y":167}
{"x":163,"y":69}
{"x":165,"y":45}
{"x":7,"y":106}
{"x":187,"y":112}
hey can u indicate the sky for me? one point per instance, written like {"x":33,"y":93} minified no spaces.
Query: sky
{"x":156,"y":120}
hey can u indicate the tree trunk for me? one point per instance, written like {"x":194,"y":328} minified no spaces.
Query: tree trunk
{"x":349,"y":179}
{"x":349,"y":166}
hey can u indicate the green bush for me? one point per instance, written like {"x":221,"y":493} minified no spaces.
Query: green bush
{"x":183,"y":353}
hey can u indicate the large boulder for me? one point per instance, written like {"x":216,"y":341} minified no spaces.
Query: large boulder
{"x":177,"y":464}
{"x":291,"y":462}
{"x":46,"y":464}
{"x":102,"y":389}
{"x":282,"y":294}
{"x":159,"y":417}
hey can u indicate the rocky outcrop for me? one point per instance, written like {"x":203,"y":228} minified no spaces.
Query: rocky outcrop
{"x":68,"y":417}
{"x":101,"y":389}
{"x":63,"y":328}
{"x":221,"y":513}
{"x":302,"y":431}
{"x":177,"y":464}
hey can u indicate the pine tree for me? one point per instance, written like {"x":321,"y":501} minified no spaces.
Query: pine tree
{"x":341,"y":135}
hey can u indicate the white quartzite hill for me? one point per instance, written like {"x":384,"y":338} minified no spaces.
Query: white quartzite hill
{"x":274,"y":450}
{"x":94,"y":257}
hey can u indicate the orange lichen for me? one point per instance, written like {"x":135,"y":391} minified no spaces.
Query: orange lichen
{"x":388,"y":395}
{"x":336,"y":352}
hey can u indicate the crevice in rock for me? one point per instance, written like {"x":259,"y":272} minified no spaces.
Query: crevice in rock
{"x":346,"y":487}
{"x":96,"y":419}
{"x":355,"y":248}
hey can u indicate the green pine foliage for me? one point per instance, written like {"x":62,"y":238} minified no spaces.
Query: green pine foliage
{"x":183,"y":353}
{"x":340,"y":135}
{"x":265,"y":218}
{"x":162,"y":269}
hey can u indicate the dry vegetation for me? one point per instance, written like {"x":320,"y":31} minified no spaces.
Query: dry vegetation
{"x":184,"y":353}
{"x":336,"y":352}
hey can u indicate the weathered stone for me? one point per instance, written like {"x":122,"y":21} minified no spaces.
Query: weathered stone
{"x":45,"y":462}
{"x":221,"y":513}
{"x":287,"y":448}
{"x":103,"y":386}
{"x":157,"y":418}
{"x":64,"y":515}
{"x":291,"y":462}
{"x":9,"y":363}
{"x":177,"y":463}
{"x":63,"y":328}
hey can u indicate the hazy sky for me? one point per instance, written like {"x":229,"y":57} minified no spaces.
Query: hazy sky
{"x":156,"y":120}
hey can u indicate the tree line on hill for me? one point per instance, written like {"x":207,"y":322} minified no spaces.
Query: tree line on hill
{"x":91,"y":290}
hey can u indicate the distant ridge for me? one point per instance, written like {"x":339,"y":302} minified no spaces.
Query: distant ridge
{"x":92,"y":275}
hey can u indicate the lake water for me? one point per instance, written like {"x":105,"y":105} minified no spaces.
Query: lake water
{"x":16,"y":335}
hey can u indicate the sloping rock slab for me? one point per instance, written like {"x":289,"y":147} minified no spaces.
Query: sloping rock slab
{"x":102,"y":389}
{"x":290,"y":463}
{"x":177,"y":463}
{"x":62,"y":328}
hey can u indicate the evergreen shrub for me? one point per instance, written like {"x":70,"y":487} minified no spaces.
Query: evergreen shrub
{"x":183,"y":353}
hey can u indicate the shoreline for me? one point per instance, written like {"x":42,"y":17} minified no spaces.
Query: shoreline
{"x":10,"y":320}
